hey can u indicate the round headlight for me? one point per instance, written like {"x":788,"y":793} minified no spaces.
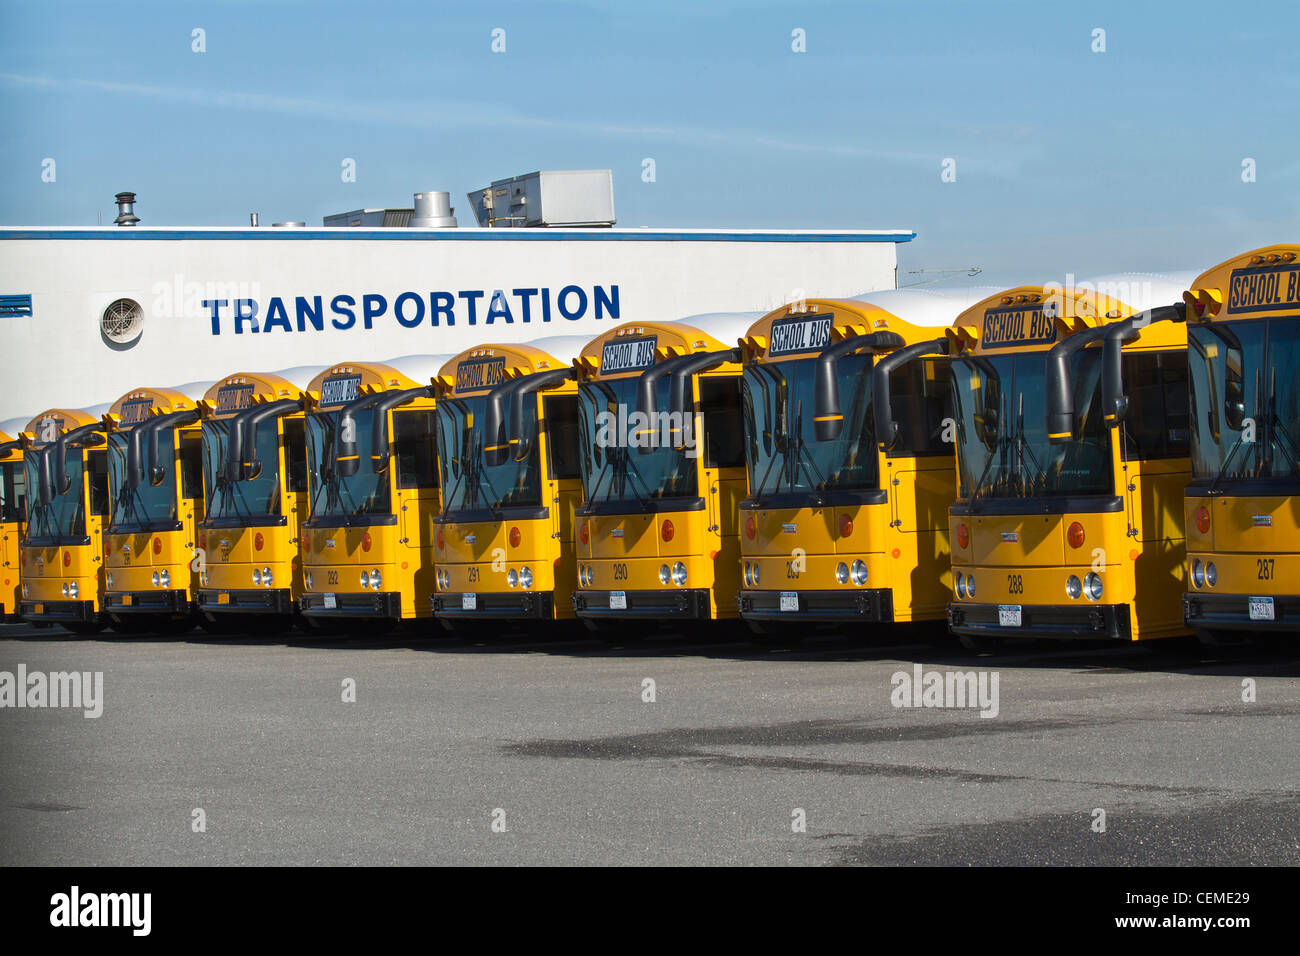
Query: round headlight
{"x":1092,"y":585}
{"x":960,"y":584}
{"x":376,"y":579}
{"x":1211,"y":574}
{"x":679,"y":574}
{"x":73,"y":589}
{"x":267,"y":578}
{"x":970,"y":585}
{"x":512,"y":577}
{"x":65,"y":588}
{"x":365,"y":578}
{"x":1073,"y":586}
{"x":842,"y":573}
{"x":165,"y":578}
{"x":203,"y":577}
{"x":306,"y":579}
{"x":748,"y":575}
{"x":526,"y":576}
{"x":664,"y":574}
{"x":108,"y":579}
{"x":257,"y":575}
{"x":154,"y":579}
{"x":755,"y":575}
{"x":1198,"y":573}
{"x":859,"y":572}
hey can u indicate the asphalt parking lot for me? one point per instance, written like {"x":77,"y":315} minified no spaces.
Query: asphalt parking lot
{"x":521,"y":750}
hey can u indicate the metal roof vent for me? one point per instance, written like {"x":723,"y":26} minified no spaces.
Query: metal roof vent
{"x":125,"y":209}
{"x":291,"y":224}
{"x":433,"y":211}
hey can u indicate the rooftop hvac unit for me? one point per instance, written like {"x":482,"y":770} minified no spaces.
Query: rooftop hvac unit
{"x":554,"y":197}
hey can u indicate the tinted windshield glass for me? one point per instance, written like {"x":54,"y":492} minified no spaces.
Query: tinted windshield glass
{"x":146,"y":506}
{"x":781,"y":446}
{"x":469,"y":482}
{"x":613,"y":471}
{"x":1245,"y":398}
{"x":65,"y":515}
{"x":250,"y":498}
{"x":338,"y":496}
{"x":1003,"y":451}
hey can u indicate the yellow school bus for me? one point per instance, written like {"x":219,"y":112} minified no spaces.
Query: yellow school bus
{"x":508,"y":462}
{"x":1072,"y":453}
{"x":255,"y":493}
{"x":13,"y":506}
{"x":155,"y":480}
{"x":849,"y":444}
{"x":1243,"y":527}
{"x":373,"y":491}
{"x":62,"y":554}
{"x":663,"y":472}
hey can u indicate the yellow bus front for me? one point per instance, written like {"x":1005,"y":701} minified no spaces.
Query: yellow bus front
{"x":62,"y":554}
{"x":13,"y":507}
{"x":1243,"y":521}
{"x":154,"y":475}
{"x":660,"y":445}
{"x":373,"y":490}
{"x":1072,"y":427}
{"x":846,"y":519}
{"x":255,"y":488}
{"x":507,"y":453}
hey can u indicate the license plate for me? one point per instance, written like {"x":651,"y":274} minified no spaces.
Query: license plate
{"x":1008,"y":615}
{"x":618,"y":600}
{"x":330,"y":602}
{"x":1261,"y":609}
{"x":469,"y":602}
{"x":789,"y":600}
{"x":223,"y":598}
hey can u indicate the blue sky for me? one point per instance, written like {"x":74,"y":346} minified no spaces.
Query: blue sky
{"x":1067,"y":160}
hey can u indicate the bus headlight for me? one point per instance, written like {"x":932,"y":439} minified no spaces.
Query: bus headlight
{"x":154,"y":579}
{"x":679,"y":574}
{"x":1211,"y":574}
{"x":755,"y":574}
{"x":257,"y":576}
{"x":165,"y":578}
{"x":108,"y":579}
{"x":365,"y":579}
{"x":970,"y":585}
{"x":203,"y":577}
{"x":961,"y":585}
{"x":859,"y":572}
{"x":842,"y":573}
{"x":267,"y":578}
{"x":526,"y":577}
{"x":1092,"y":585}
{"x":73,"y":589}
{"x":1073,"y":586}
{"x":512,"y":577}
{"x":376,"y":579}
{"x":306,"y":579}
{"x":1198,"y":573}
{"x":665,"y":575}
{"x":65,"y":588}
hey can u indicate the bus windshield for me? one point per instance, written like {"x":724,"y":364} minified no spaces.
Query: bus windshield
{"x":65,"y":515}
{"x":147,"y":507}
{"x":346,"y":498}
{"x":1003,"y":451}
{"x":781,"y":448}
{"x":1245,"y":398}
{"x":614,"y":472}
{"x":472,"y":484}
{"x":250,"y":499}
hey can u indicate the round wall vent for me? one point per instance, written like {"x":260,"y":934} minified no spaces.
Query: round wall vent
{"x":122,"y":321}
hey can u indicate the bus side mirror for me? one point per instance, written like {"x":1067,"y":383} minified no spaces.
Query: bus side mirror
{"x":1235,"y":414}
{"x":828,"y":421}
{"x":251,"y":469}
{"x":157,"y":472}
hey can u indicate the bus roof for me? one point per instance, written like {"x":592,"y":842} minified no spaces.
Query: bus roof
{"x":632,"y":347}
{"x":1255,"y":284}
{"x":1036,"y":316}
{"x":66,"y":418}
{"x":486,"y":366}
{"x":357,"y":378}
{"x":235,"y":393}
{"x":142,"y":403}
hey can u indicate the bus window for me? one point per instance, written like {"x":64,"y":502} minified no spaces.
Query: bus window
{"x":724,"y":433}
{"x":413,"y":438}
{"x":1158,"y":424}
{"x":561,"y":415}
{"x":12,"y":500}
{"x":921,"y":395}
{"x":295,"y":454}
{"x":98,"y":474}
{"x":192,"y":467}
